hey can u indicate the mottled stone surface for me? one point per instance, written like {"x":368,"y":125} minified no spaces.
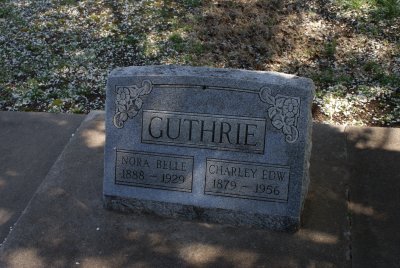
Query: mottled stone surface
{"x":219,"y":145}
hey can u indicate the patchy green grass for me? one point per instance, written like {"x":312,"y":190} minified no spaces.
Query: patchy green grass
{"x":388,"y":8}
{"x":178,"y":43}
{"x":355,"y":4}
{"x":329,"y":76}
{"x":330,"y":49}
{"x":380,"y":9}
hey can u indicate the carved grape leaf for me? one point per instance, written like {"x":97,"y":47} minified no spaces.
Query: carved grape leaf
{"x":279,"y":102}
{"x":265,"y":95}
{"x":286,"y":130}
{"x":132,"y":112}
{"x":121,"y":108}
{"x":290,"y":121}
{"x":134,"y":92}
{"x":272,"y":111}
{"x":277,"y":123}
{"x":138,"y":103}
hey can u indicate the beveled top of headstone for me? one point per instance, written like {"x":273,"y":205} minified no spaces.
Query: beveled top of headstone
{"x":212,"y":138}
{"x":206,"y":72}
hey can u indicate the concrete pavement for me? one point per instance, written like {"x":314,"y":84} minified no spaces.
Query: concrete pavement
{"x":374,"y":207}
{"x":350,"y":217}
{"x":29,"y":145}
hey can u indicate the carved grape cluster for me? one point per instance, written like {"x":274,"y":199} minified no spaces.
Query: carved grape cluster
{"x":128,"y":102}
{"x":283,"y":112}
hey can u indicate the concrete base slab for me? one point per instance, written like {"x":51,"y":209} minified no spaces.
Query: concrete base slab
{"x":65,"y":223}
{"x":29,"y":145}
{"x":350,"y":217}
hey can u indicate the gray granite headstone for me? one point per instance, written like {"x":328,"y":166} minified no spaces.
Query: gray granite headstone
{"x":219,"y":145}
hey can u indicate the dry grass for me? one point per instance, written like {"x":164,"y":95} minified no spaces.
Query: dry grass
{"x":352,"y":56}
{"x":65,"y":49}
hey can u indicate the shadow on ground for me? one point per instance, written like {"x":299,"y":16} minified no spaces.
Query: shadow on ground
{"x":374,"y":155}
{"x":66,"y":223}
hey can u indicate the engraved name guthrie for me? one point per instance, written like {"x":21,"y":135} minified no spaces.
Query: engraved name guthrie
{"x":203,"y":130}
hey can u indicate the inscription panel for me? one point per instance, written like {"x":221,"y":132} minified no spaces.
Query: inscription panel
{"x":150,"y":170}
{"x":247,"y":180}
{"x":202,"y":130}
